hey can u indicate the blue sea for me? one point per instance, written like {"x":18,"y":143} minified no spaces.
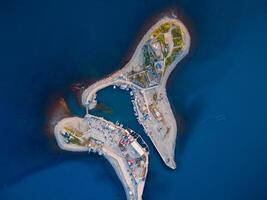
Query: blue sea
{"x":219,"y":90}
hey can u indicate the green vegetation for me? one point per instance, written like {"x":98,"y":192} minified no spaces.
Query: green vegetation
{"x":165,"y":53}
{"x":155,"y":96}
{"x":75,"y":140}
{"x":176,"y":32}
{"x":164,"y":28}
{"x":149,"y":56}
{"x":174,"y":53}
{"x":168,"y":61}
{"x":161,"y":39}
{"x":176,"y":50}
{"x":177,"y":41}
{"x":146,"y":56}
{"x":177,"y":36}
{"x":171,"y":58}
{"x":156,"y":32}
{"x":141,"y":79}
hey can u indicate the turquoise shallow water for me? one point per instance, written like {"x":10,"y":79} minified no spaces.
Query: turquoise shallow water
{"x":219,"y":90}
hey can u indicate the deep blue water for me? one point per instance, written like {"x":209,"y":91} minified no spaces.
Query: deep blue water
{"x":219,"y":90}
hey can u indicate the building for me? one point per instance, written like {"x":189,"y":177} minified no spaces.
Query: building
{"x":137,"y":148}
{"x":159,"y":66}
{"x":152,"y":76}
{"x":156,"y":47}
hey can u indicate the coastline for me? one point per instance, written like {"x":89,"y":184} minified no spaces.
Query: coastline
{"x":164,"y":140}
{"x":133,"y":186}
{"x":89,"y":95}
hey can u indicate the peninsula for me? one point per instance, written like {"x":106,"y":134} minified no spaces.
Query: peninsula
{"x":145,"y":76}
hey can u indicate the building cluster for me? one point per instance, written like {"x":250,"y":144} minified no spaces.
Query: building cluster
{"x":146,"y":107}
{"x":94,"y":145}
{"x":122,"y":142}
{"x":155,"y":112}
{"x":141,"y":106}
{"x":135,"y":155}
{"x":153,"y":65}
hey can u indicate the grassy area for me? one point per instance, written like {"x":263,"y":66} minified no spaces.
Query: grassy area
{"x":146,"y":56}
{"x":74,"y":140}
{"x":176,"y":32}
{"x":156,"y":32}
{"x":174,"y":53}
{"x":164,"y":28}
{"x":177,"y":41}
{"x":141,"y":78}
{"x":171,"y":58}
{"x":161,"y":39}
{"x":168,"y":61}
{"x":176,"y":50}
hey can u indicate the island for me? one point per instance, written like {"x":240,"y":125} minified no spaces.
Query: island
{"x":145,"y":76}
